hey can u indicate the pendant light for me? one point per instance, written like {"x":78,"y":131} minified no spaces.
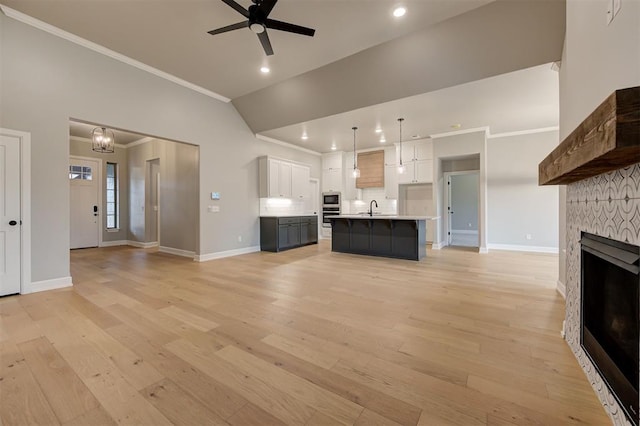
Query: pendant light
{"x":400,"y":165}
{"x":356,"y":170}
{"x":103,"y":140}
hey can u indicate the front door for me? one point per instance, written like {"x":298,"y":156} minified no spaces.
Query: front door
{"x":84,"y":178}
{"x":10,"y":222}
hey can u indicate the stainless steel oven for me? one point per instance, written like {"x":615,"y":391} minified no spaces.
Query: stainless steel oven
{"x":331,"y":206}
{"x":331,"y":199}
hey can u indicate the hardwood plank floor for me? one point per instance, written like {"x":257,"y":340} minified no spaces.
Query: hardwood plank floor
{"x":303,"y":337}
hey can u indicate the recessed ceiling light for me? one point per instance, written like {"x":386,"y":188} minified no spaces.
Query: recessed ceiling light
{"x":333,"y":147}
{"x":304,"y":137}
{"x":265,"y":70}
{"x":399,"y":11}
{"x":378,"y":130}
{"x":382,"y":139}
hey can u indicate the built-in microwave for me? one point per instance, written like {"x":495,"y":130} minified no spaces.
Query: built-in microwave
{"x":331,"y":199}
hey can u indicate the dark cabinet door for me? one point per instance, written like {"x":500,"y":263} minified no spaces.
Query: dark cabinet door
{"x":293,"y":234}
{"x":283,"y":237}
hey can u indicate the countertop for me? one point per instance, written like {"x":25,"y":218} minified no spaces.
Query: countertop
{"x":383,"y":216}
{"x":288,"y":215}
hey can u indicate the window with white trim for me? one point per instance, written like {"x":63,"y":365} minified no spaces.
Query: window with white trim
{"x":112,"y":196}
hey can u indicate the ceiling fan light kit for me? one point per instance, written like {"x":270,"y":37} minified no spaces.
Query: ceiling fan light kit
{"x":258,"y":21}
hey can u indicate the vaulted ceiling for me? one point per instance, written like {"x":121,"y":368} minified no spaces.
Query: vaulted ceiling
{"x":360,"y":57}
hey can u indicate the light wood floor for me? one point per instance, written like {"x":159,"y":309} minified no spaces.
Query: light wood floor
{"x":301,"y":337}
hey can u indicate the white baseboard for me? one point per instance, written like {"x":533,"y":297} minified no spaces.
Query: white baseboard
{"x":45,"y":285}
{"x":142,"y":245}
{"x":562,"y":289}
{"x":228,"y":253}
{"x":177,"y":252}
{"x":464,"y":232}
{"x":483,"y":250}
{"x":535,"y":249}
{"x":114,"y":243}
{"x":437,"y":246}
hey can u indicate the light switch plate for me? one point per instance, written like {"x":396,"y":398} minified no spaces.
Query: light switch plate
{"x":214,"y":209}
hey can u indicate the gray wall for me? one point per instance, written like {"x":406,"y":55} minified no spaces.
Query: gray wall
{"x":46,"y":81}
{"x":464,"y":202}
{"x":83,"y":149}
{"x":597,"y":60}
{"x":517,"y":205}
{"x":178,"y":193}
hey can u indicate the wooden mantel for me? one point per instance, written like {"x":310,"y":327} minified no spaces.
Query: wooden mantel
{"x":608,"y":139}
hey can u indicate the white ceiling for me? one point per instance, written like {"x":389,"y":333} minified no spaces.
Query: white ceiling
{"x":171,"y":35}
{"x":521,"y":100}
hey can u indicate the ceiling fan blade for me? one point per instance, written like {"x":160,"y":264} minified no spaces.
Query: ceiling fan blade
{"x":241,"y":10}
{"x":231,"y":27}
{"x":266,"y":44}
{"x":267,"y":5}
{"x":292,"y":28}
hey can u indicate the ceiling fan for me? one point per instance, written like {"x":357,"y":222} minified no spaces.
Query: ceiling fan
{"x":258,"y":21}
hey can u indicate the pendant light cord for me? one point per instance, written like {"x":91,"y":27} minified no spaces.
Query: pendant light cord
{"x":400,"y":120}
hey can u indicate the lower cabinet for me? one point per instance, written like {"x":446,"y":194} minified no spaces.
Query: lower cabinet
{"x":282,"y":233}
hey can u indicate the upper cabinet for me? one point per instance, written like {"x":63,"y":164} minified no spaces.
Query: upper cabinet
{"x":300,"y":188}
{"x":332,"y":172}
{"x":417,"y":159}
{"x":283,"y":179}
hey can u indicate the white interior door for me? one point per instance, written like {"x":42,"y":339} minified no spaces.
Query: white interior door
{"x":10,"y":222}
{"x":84,"y":179}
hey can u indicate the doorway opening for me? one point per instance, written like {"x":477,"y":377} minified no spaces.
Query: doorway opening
{"x":147,"y":191}
{"x":461,"y":178}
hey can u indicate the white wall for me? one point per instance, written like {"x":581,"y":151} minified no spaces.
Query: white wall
{"x":517,"y":205}
{"x":597,"y":60}
{"x":46,"y":80}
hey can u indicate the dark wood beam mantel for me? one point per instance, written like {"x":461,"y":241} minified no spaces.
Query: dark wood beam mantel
{"x":608,"y":139}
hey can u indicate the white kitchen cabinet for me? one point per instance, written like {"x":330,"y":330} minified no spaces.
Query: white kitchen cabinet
{"x":332,"y":180}
{"x":417,"y":172}
{"x":300,"y":187}
{"x":332,"y":172}
{"x":391,"y":182}
{"x":390,"y":156}
{"x":283,"y":179}
{"x":417,"y":159}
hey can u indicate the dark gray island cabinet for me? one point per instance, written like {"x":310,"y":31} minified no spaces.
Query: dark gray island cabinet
{"x":402,"y":237}
{"x":279,"y":233}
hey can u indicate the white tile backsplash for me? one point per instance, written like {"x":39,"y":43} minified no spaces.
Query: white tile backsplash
{"x":281,"y":207}
{"x":385,"y":206}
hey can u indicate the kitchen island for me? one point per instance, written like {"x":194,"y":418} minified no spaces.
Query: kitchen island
{"x":402,"y":237}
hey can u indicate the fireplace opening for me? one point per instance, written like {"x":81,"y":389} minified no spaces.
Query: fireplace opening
{"x":609,"y":315}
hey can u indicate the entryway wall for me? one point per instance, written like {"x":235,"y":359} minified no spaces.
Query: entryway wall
{"x":178,"y":194}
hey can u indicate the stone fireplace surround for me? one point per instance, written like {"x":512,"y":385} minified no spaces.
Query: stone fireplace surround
{"x":607,"y":205}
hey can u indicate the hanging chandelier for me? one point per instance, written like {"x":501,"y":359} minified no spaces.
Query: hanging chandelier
{"x":103,"y":140}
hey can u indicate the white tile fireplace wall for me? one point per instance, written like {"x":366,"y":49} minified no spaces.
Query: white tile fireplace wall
{"x":607,"y":205}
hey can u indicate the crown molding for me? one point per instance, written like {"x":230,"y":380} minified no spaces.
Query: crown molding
{"x":460,"y":132}
{"x":524,"y":132}
{"x":36,"y":23}
{"x":287,"y":144}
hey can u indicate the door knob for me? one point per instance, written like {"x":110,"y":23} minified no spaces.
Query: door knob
{"x":13,"y":223}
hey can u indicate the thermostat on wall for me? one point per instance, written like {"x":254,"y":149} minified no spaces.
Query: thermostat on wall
{"x":215,"y":195}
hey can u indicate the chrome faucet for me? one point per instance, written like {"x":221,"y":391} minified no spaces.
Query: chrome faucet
{"x":371,"y":207}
